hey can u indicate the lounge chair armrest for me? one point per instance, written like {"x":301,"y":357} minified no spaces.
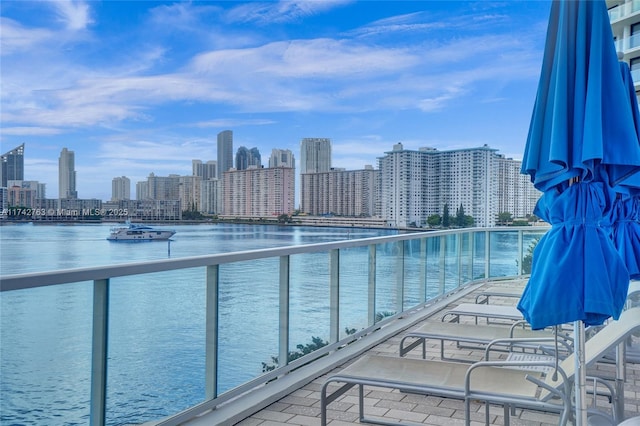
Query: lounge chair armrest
{"x":514,"y":341}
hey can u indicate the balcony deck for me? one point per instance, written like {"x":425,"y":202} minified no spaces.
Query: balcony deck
{"x":302,"y":405}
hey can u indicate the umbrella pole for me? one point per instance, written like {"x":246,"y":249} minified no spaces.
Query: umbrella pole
{"x":581,"y":374}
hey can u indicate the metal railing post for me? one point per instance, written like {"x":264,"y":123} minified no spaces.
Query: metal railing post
{"x":100,"y":343}
{"x":283,"y":335}
{"x":520,"y":252}
{"x":443,"y":263}
{"x":371,"y":305}
{"x":334,"y":295}
{"x":211,"y":341}
{"x":423,"y":269}
{"x":459,"y":256}
{"x":487,"y":255}
{"x":400,"y":277}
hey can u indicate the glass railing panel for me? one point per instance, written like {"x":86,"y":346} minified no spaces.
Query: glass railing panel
{"x":529,"y":242}
{"x":156,"y":345}
{"x":354,"y":289}
{"x":435,"y":282}
{"x":386,"y":299}
{"x":248,"y":320}
{"x":309,"y":299}
{"x":414,"y":265}
{"x":466,"y":261}
{"x":45,"y":355}
{"x":452,"y":279}
{"x":615,"y":13}
{"x":635,"y":6}
{"x":503,"y":256}
{"x":479,"y":254}
{"x":634,"y":41}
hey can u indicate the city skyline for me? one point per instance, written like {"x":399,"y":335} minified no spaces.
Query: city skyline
{"x":150,"y":91}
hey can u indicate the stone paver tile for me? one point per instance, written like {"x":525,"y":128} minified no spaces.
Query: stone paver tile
{"x":273,"y":415}
{"x":410,"y":416}
{"x":251,"y":421}
{"x":296,"y":400}
{"x":304,"y":421}
{"x":303,"y":410}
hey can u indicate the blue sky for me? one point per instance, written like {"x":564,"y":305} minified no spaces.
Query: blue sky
{"x":135,"y":87}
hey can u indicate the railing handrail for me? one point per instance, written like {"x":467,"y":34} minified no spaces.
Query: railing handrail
{"x":47,"y":278}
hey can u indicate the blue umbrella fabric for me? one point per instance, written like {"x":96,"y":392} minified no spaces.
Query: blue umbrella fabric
{"x":580,"y":117}
{"x":582,"y":142}
{"x":626,"y":232}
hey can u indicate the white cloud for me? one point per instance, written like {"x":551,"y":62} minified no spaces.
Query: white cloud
{"x":75,"y":15}
{"x":281,"y":11}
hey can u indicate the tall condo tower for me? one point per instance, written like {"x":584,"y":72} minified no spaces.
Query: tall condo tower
{"x":225,"y":152}
{"x":67,"y":175}
{"x":315,"y":155}
{"x":282,"y":158}
{"x":12,"y":165}
{"x":120,"y":188}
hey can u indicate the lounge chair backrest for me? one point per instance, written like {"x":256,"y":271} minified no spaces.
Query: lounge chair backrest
{"x":602,"y":342}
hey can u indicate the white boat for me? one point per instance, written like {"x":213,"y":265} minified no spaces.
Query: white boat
{"x":137,"y":232}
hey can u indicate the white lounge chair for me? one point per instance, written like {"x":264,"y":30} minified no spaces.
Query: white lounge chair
{"x":488,"y":381}
{"x":479,"y":336}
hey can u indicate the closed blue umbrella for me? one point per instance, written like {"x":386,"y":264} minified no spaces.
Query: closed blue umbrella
{"x":582,"y":143}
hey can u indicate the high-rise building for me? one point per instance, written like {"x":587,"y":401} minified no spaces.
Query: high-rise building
{"x":206,"y":171}
{"x":259,"y":192}
{"x":189,"y":191}
{"x":225,"y":152}
{"x":625,"y":25}
{"x":210,"y":194}
{"x":247,"y":158}
{"x":415,"y":185}
{"x":315,"y":155}
{"x":282,"y":158}
{"x":159,"y":188}
{"x":349,"y":193}
{"x":12,"y":165}
{"x":516,"y":193}
{"x":67,"y":175}
{"x":120,"y":188}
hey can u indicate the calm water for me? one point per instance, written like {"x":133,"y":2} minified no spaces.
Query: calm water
{"x":157,"y":322}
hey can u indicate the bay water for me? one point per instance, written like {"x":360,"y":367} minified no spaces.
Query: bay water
{"x":157,"y":321}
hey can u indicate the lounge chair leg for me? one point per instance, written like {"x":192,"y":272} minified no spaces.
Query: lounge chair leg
{"x":507,"y":414}
{"x":361,"y":401}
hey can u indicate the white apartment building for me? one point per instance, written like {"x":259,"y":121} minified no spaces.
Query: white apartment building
{"x":189,"y":190}
{"x":517,"y":195}
{"x":417,"y":184}
{"x":159,"y":188}
{"x":315,"y":155}
{"x":67,"y":175}
{"x":258,"y":192}
{"x":282,"y":158}
{"x":120,"y":188}
{"x":210,"y":195}
{"x":625,"y":25}
{"x":349,"y":193}
{"x":206,"y":170}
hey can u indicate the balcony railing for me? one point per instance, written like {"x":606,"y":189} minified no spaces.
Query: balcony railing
{"x":336,"y":291}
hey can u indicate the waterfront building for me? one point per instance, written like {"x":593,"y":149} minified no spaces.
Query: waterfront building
{"x":339,"y":192}
{"x":210,"y":194}
{"x":225,"y":152}
{"x":159,"y":188}
{"x":148,"y":210}
{"x":190,"y":192}
{"x":67,"y":175}
{"x":282,"y":158}
{"x":415,"y":185}
{"x":625,"y":25}
{"x":120,"y":188}
{"x":25,"y":193}
{"x":516,"y":193}
{"x":258,"y":192}
{"x":205,"y":170}
{"x":246,"y":158}
{"x":12,"y":165}
{"x":315,"y":155}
